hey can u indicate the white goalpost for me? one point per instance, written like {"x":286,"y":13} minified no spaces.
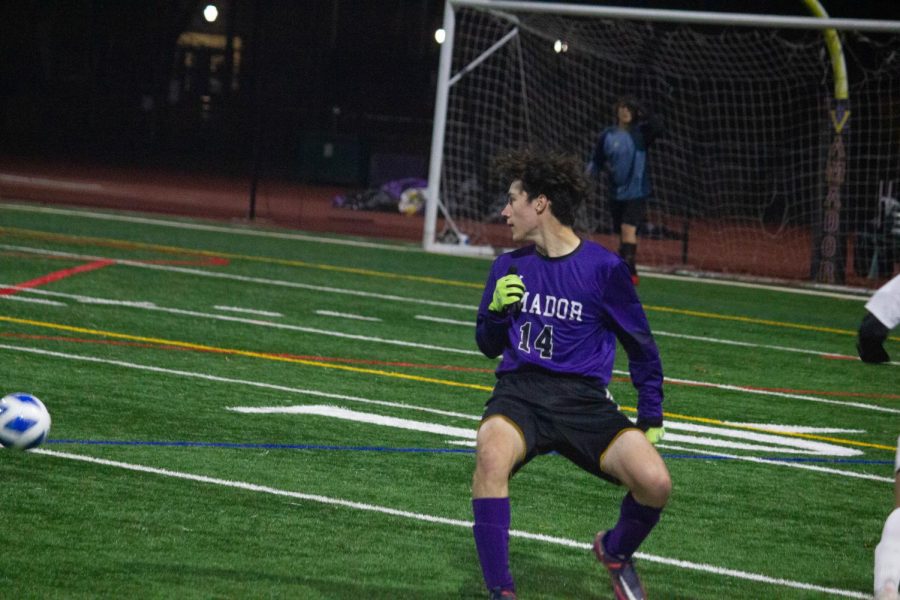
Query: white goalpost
{"x":777,"y":130}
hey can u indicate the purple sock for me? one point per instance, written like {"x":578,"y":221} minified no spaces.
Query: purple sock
{"x":635,"y":523}
{"x":492,"y":540}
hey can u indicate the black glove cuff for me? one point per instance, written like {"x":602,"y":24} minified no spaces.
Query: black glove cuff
{"x":870,"y":342}
{"x":644,"y":424}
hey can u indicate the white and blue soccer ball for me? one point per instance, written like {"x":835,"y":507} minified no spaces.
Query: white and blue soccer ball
{"x":24,"y":421}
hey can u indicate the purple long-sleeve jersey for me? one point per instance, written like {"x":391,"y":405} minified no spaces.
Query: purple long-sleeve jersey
{"x":574,"y":309}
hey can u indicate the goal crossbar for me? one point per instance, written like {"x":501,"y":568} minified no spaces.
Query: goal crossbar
{"x":685,"y":16}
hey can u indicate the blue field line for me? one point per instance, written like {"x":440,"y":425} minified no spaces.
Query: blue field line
{"x":261,"y":446}
{"x":185,"y":444}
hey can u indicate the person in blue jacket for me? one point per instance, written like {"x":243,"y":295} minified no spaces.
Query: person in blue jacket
{"x":621,"y":152}
{"x":554,"y":309}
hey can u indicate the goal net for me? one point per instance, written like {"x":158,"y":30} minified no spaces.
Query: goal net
{"x":760,"y":170}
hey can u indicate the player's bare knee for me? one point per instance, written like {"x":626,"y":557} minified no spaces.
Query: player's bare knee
{"x":492,"y":464}
{"x":654,"y":488}
{"x":662,"y":487}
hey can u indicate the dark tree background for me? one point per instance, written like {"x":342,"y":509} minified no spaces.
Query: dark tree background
{"x":151,"y":82}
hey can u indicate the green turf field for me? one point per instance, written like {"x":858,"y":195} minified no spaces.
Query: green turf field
{"x":249,"y":413}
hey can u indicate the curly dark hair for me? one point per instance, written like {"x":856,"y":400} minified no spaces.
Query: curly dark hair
{"x":560,"y":177}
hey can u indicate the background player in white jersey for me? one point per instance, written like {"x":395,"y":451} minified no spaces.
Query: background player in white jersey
{"x":554,"y":309}
{"x":882,"y":315}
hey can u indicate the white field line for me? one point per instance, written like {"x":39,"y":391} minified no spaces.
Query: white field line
{"x":249,"y":311}
{"x":795,"y":428}
{"x":700,"y":338}
{"x":783,"y":463}
{"x":748,"y":390}
{"x":437,"y":520}
{"x":247,"y":279}
{"x":798,"y":445}
{"x":151,"y":306}
{"x":17,"y":298}
{"x":469,"y":323}
{"x":336,"y":412}
{"x":340,"y":315}
{"x":218,"y":229}
{"x":316,"y":393}
{"x":857,"y":294}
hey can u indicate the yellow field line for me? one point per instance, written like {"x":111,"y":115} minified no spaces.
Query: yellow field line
{"x":236,"y":352}
{"x":394,"y":374}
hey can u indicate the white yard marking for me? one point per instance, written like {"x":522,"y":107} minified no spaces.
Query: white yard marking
{"x":438,"y":520}
{"x":767,"y":443}
{"x":838,"y":292}
{"x":795,"y":428}
{"x":359,"y":417}
{"x":20,"y":298}
{"x":249,"y":311}
{"x":711,"y":442}
{"x":340,"y":315}
{"x":470,"y":323}
{"x":200,"y":227}
{"x":83,"y":299}
{"x":700,"y":338}
{"x":783,"y":444}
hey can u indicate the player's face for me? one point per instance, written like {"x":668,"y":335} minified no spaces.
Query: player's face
{"x":624,"y":115}
{"x":519,"y":212}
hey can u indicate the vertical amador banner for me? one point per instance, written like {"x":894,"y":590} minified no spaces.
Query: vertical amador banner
{"x":829,"y":252}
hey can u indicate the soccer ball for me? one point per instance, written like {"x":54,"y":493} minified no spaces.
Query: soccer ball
{"x":412,"y":201}
{"x":24,"y":421}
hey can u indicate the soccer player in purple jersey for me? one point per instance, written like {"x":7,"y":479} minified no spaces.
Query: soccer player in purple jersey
{"x":554,"y":309}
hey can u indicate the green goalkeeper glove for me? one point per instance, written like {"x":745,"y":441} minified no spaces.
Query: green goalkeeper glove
{"x":655,"y":434}
{"x":508,"y":291}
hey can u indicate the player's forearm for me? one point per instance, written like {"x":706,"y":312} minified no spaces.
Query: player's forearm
{"x":647,"y":378}
{"x":491,"y":333}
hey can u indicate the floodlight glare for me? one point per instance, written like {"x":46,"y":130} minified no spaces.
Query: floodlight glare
{"x":210,"y":13}
{"x":560,"y":46}
{"x":440,"y":35}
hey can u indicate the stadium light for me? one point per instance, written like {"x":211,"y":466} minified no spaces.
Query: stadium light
{"x":560,"y":46}
{"x":440,"y":35}
{"x":210,"y":13}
